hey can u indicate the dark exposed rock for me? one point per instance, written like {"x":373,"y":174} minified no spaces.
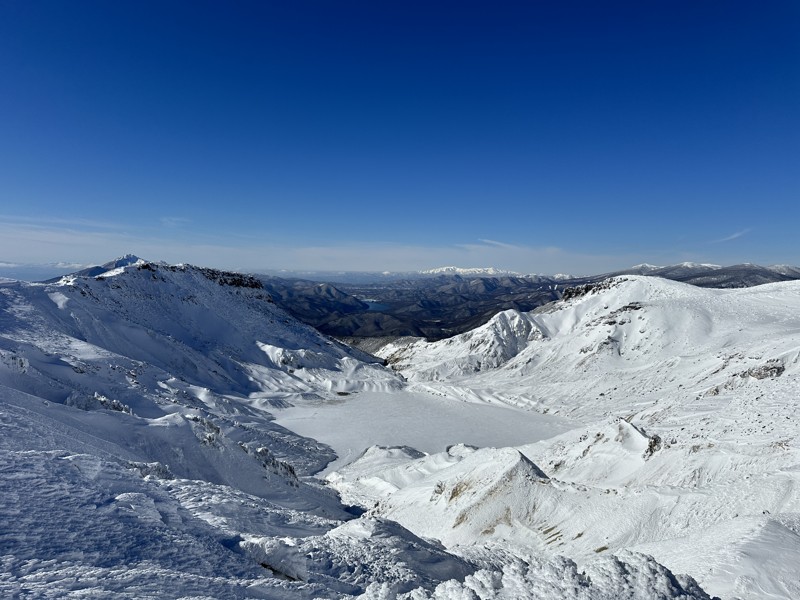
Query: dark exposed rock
{"x":773,"y":368}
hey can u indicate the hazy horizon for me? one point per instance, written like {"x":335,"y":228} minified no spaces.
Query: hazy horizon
{"x":46,"y":270}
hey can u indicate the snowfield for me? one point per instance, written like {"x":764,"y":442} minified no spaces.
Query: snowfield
{"x":424,"y":421}
{"x":169,"y":432}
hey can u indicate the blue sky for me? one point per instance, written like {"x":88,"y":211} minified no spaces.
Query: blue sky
{"x":535,"y":136}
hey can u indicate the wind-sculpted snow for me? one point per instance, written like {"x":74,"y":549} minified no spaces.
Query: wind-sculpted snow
{"x":75,"y":523}
{"x":626,"y":577}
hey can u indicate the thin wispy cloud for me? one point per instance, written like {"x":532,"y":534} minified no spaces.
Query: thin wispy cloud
{"x":45,"y":222}
{"x":496,"y":243}
{"x":731,"y":237}
{"x":401,"y":257}
{"x":175,"y":221}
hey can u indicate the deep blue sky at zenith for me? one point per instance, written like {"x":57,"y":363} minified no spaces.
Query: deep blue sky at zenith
{"x":537,"y":136}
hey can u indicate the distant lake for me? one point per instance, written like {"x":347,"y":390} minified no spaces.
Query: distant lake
{"x":376,"y":306}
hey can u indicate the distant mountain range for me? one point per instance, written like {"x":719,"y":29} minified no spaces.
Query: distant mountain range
{"x":442,"y":302}
{"x":706,"y":275}
{"x":446,"y":301}
{"x":470,"y":272}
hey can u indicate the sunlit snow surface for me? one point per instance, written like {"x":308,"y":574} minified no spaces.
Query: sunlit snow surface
{"x":140,"y":457}
{"x":423,"y":421}
{"x":712,"y":373}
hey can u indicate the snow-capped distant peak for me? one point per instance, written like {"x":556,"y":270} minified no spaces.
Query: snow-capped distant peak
{"x":647,"y":266}
{"x":694,"y":265}
{"x":123,"y":261}
{"x":116,"y":271}
{"x":548,"y":277}
{"x":109,"y":269}
{"x":789,"y":270}
{"x":477,"y":271}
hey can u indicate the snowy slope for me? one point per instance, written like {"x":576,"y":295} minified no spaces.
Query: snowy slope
{"x":139,"y":456}
{"x":644,"y":334}
{"x":689,"y":449}
{"x":153,"y":341}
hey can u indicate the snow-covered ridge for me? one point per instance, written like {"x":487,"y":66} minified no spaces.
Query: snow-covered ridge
{"x":694,"y":265}
{"x":789,"y":270}
{"x":209,"y":315}
{"x":689,"y":445}
{"x":615,"y":326}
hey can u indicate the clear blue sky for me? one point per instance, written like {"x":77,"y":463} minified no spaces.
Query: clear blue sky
{"x":536,"y":136}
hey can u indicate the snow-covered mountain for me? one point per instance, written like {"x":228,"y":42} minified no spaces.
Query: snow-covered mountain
{"x":613,"y":327}
{"x":444,"y":304}
{"x":470,"y":272}
{"x":788,"y":270}
{"x":94,"y":271}
{"x":140,"y":457}
{"x":711,"y":275}
{"x":687,"y":449}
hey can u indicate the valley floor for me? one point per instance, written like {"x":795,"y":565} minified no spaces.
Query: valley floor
{"x":423,"y":421}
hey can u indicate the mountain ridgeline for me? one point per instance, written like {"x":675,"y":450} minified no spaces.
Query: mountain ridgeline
{"x":448,"y":301}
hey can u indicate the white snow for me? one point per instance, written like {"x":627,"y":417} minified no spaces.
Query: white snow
{"x":688,"y":448}
{"x":59,"y":299}
{"x":694,"y":265}
{"x":423,"y":421}
{"x":469,"y":271}
{"x":161,"y":426}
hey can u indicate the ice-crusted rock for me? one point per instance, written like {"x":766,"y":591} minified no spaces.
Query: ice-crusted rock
{"x":359,"y":553}
{"x":629,"y":576}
